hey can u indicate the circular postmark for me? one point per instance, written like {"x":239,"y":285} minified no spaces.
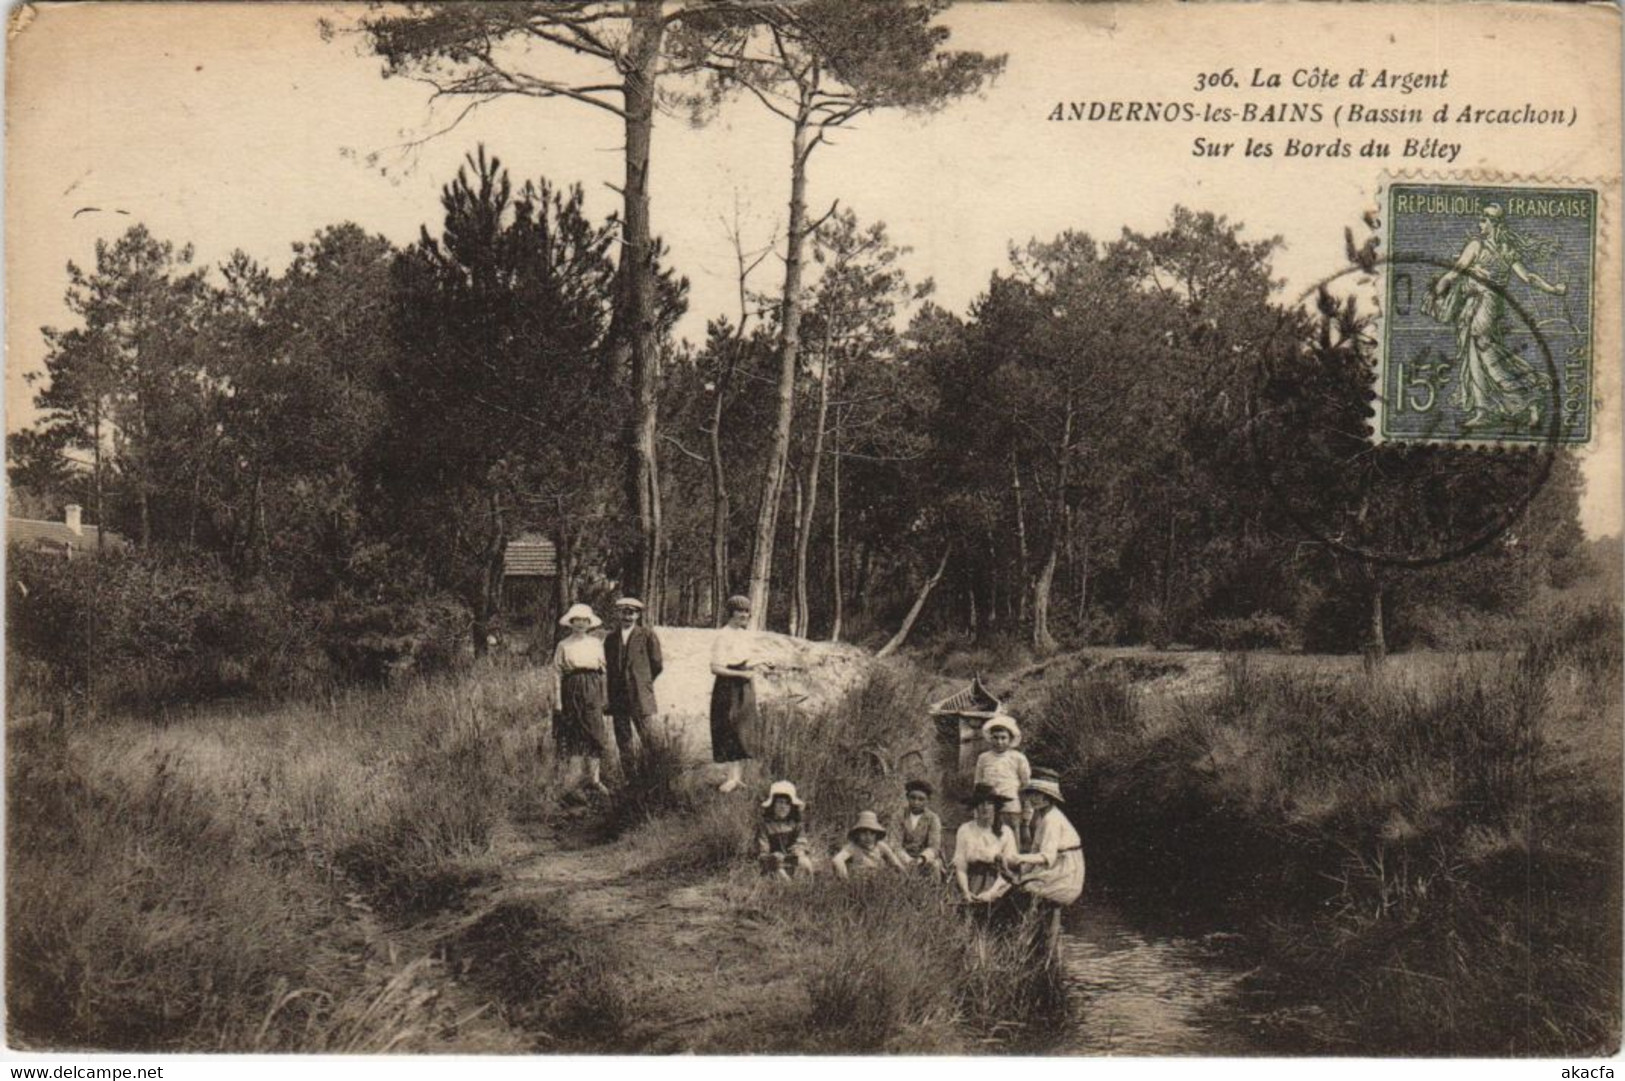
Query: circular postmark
{"x":1398,"y":504}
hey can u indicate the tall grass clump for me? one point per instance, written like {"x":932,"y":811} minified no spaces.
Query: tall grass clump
{"x":568,"y":992}
{"x":855,"y":754}
{"x":894,"y":965}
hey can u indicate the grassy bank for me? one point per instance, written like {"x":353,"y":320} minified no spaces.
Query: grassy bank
{"x":208,"y":885}
{"x":1430,"y":849}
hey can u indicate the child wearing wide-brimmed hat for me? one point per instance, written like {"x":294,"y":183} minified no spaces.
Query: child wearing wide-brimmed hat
{"x":578,"y":694}
{"x":1003,"y":768}
{"x":866,"y":848}
{"x":919,"y":830}
{"x":781,"y":841}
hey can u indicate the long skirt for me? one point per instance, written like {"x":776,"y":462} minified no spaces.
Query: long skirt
{"x":733,"y":709}
{"x":980,"y":875}
{"x":578,"y":725}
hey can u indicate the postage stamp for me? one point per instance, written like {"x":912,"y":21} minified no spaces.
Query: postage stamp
{"x":1487,"y":314}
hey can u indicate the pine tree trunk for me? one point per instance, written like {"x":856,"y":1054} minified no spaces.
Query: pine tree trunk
{"x":637,"y":335}
{"x":96,"y":475}
{"x":914,"y":613}
{"x":1377,"y":648}
{"x":797,"y":627}
{"x":490,"y":579}
{"x":809,"y":508}
{"x":1021,"y":538}
{"x":767,"y":517}
{"x":835,"y":536}
{"x":1043,"y":641}
{"x":1083,"y":581}
{"x":719,"y":504}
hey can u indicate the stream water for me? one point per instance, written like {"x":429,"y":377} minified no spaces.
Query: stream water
{"x":1133,"y":992}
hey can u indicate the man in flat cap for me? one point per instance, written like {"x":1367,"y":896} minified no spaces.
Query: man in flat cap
{"x":633,"y":663}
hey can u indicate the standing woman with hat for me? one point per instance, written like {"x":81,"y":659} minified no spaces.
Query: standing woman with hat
{"x":1056,"y":861}
{"x":578,"y":694}
{"x":733,"y":696}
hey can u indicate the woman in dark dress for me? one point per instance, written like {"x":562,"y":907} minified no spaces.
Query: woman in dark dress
{"x":733,"y":696}
{"x":578,"y":694}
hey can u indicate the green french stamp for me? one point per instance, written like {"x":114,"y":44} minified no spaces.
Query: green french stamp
{"x":1488,"y":304}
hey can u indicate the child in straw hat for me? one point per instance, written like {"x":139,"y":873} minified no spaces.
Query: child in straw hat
{"x":1003,"y":768}
{"x":865,"y":849}
{"x":781,"y":842}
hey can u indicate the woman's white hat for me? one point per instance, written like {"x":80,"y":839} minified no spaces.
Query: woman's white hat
{"x":867,"y":821}
{"x":581,"y":611}
{"x":1045,"y":786}
{"x":782,"y":788}
{"x":1006,"y":722}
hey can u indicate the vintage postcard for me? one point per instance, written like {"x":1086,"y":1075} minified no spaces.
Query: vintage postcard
{"x":688,"y":527}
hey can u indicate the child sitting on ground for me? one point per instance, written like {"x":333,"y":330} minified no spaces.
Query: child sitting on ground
{"x":919,"y":831}
{"x":865,"y":849}
{"x":1004,"y":769}
{"x":781,"y":843}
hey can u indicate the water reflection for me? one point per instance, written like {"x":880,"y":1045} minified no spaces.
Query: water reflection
{"x":1133,"y":993}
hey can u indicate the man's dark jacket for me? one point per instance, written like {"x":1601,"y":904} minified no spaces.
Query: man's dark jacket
{"x":632,"y":672}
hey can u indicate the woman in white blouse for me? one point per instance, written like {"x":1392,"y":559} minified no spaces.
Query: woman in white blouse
{"x":578,"y":695}
{"x":981,"y":848}
{"x":733,"y":696}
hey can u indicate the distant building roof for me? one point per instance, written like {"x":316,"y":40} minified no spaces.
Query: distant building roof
{"x":531,"y":556}
{"x":57,"y":534}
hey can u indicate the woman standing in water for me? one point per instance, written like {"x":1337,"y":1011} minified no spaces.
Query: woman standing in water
{"x":733,"y":696}
{"x":1493,"y":381}
{"x":578,"y":695}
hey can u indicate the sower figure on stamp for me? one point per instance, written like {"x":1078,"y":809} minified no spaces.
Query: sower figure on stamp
{"x":1495,"y":382}
{"x":633,"y":663}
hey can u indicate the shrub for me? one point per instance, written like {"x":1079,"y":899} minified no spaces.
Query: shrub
{"x":373,"y":642}
{"x":139,"y":630}
{"x":1261,"y":630}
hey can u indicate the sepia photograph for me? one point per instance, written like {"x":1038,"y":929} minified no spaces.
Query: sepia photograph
{"x":821,"y":528}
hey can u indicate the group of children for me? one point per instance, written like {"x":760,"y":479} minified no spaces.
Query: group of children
{"x":1017,"y":837}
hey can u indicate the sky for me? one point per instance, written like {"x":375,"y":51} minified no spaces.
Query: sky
{"x":238,"y":126}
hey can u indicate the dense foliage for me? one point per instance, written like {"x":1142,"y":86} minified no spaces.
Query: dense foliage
{"x":1133,"y":440}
